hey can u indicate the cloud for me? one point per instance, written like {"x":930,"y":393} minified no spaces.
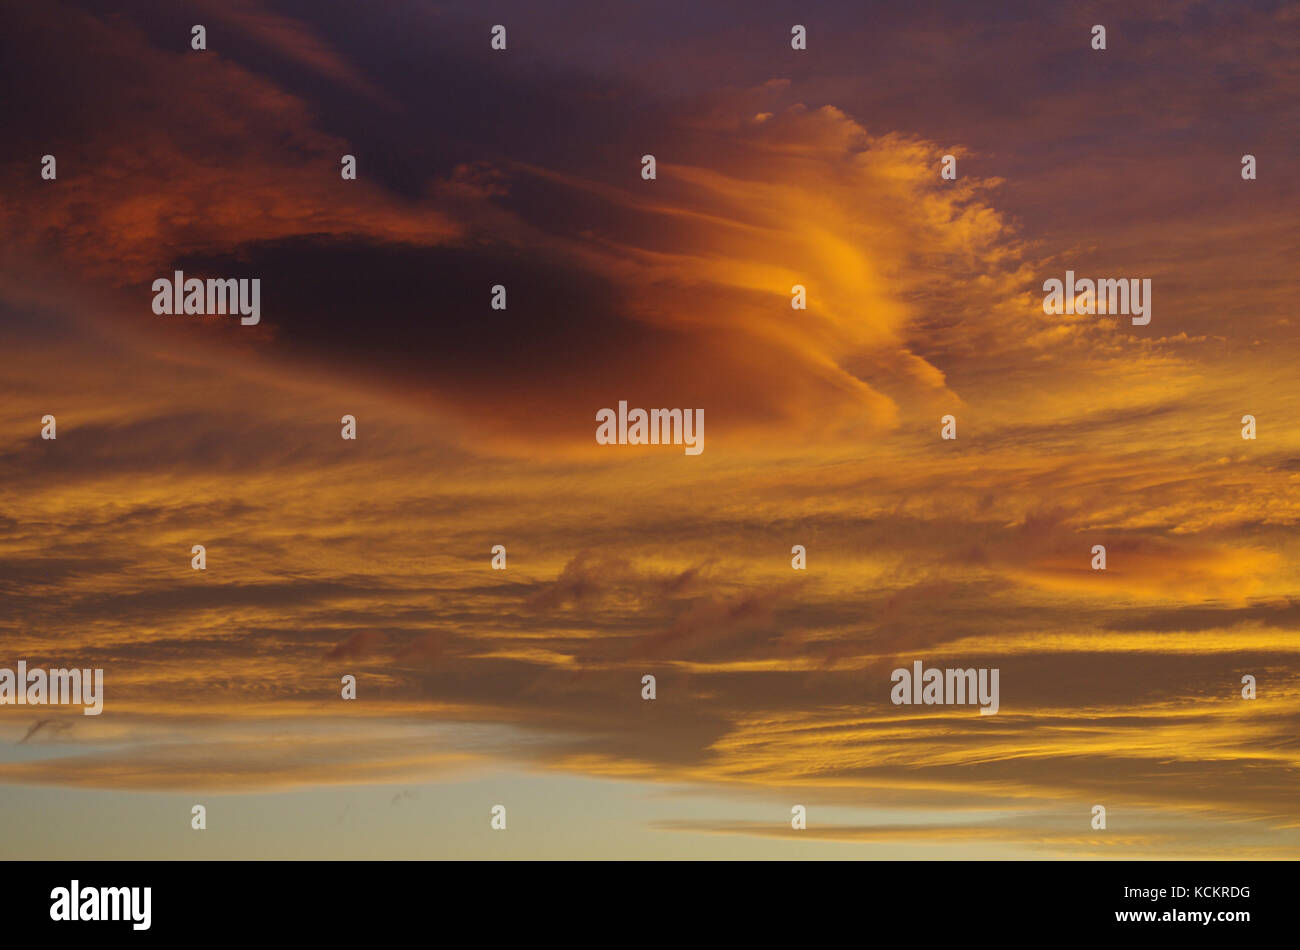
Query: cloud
{"x":56,"y":726}
{"x":356,"y":646}
{"x":475,"y":425}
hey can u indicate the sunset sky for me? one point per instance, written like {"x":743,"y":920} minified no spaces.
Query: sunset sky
{"x":475,"y":428}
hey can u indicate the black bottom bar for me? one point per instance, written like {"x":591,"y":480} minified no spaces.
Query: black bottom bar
{"x":653,"y":900}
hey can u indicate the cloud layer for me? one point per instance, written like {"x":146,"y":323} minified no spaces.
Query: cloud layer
{"x":372,"y":558}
